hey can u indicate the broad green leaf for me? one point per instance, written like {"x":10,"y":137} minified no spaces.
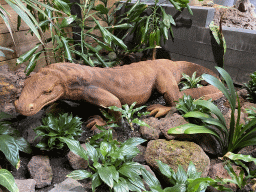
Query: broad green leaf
{"x":7,"y":180}
{"x":26,"y":56}
{"x":196,"y":114}
{"x":92,"y":152}
{"x":10,"y":149}
{"x":196,"y":184}
{"x":130,"y":170}
{"x":246,"y":158}
{"x":181,"y":175}
{"x":121,"y":186}
{"x":75,"y":147}
{"x":104,"y":148}
{"x":136,"y":183}
{"x":149,"y":178}
{"x":191,"y":172}
{"x":164,"y":168}
{"x":96,"y":181}
{"x":63,"y":6}
{"x":140,"y":122}
{"x":23,"y":145}
{"x":105,"y":174}
{"x":213,"y":108}
{"x":79,"y":174}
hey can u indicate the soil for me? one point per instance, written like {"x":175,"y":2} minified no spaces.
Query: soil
{"x":232,"y":17}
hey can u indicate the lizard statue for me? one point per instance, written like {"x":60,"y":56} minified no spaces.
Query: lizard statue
{"x":115,"y":86}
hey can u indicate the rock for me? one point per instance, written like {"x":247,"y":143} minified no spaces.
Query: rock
{"x":152,"y":132}
{"x":140,"y":158}
{"x":171,"y":121}
{"x":245,"y":6}
{"x":208,"y":143}
{"x":27,"y":185}
{"x":176,"y":153}
{"x":40,"y":170}
{"x":10,"y":88}
{"x":26,"y":127}
{"x":218,"y":170}
{"x":68,"y":185}
{"x":76,"y":161}
{"x":160,"y":127}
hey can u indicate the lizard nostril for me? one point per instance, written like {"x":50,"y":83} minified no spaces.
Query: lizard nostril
{"x":31,"y":107}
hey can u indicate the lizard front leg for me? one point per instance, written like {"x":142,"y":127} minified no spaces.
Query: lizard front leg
{"x":167,"y":86}
{"x":102,"y":98}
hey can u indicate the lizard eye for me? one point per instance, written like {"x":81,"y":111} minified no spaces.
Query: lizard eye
{"x":47,"y":92}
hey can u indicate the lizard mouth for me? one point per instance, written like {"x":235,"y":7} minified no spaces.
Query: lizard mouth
{"x":44,"y":99}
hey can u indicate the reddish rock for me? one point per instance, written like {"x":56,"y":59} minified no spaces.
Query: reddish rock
{"x":76,"y":161}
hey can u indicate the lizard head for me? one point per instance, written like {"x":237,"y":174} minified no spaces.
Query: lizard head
{"x":39,"y":90}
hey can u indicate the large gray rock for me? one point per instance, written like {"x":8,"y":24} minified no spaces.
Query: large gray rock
{"x":176,"y":153}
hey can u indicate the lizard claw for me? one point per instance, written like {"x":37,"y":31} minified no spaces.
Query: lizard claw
{"x":158,"y":110}
{"x":95,"y":120}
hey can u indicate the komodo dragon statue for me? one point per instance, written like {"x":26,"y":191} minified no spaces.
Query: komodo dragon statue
{"x":115,"y":86}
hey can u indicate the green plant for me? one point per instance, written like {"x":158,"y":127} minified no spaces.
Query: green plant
{"x":128,"y":112}
{"x":190,"y":82}
{"x":7,"y":180}
{"x":182,"y":181}
{"x":10,"y":141}
{"x":112,"y":165}
{"x":241,"y":179}
{"x":186,"y":104}
{"x":251,"y":88}
{"x":219,"y":37}
{"x":151,"y":23}
{"x":54,"y":128}
{"x":89,"y":45}
{"x":251,"y":112}
{"x":231,"y":137}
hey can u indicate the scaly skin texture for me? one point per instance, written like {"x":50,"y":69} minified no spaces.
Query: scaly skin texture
{"x":106,"y":87}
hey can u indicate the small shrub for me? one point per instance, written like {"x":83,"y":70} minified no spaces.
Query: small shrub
{"x":251,"y":88}
{"x":242,"y":179}
{"x":182,"y":181}
{"x":186,"y":104}
{"x":128,"y":112}
{"x":53,"y":128}
{"x":190,"y":82}
{"x":112,"y":165}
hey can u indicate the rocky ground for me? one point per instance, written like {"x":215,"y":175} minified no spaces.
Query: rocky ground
{"x":43,"y":170}
{"x":242,"y":16}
